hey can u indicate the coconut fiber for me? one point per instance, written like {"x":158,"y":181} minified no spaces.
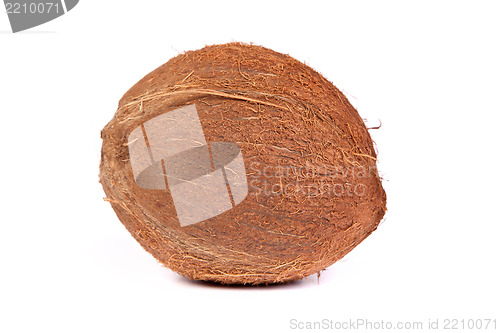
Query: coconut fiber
{"x":240,"y":165}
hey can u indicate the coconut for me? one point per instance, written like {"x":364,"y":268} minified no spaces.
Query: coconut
{"x":240,"y":165}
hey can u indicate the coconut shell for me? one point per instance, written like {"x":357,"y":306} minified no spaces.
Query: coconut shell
{"x":313,"y":189}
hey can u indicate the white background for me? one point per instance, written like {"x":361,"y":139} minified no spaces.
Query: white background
{"x":429,"y":71}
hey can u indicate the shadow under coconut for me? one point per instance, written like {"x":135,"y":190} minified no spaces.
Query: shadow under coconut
{"x":304,"y":283}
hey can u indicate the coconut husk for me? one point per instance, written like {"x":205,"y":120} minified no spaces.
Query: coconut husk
{"x":296,"y":131}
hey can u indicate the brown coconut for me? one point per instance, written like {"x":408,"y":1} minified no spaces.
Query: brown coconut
{"x":314,"y":192}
